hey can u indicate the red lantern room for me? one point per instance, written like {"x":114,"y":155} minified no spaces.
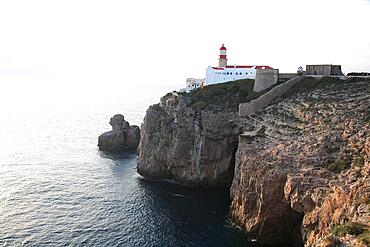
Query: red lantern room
{"x":222,"y":61}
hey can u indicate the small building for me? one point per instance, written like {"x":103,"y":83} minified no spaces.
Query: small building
{"x":324,"y":70}
{"x":192,"y":83}
{"x":300,"y":70}
{"x":265,"y":76}
{"x":224,"y":72}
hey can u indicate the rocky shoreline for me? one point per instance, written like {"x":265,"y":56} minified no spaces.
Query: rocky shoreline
{"x":298,"y":169}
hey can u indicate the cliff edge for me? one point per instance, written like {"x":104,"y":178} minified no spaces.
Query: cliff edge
{"x":192,"y":137}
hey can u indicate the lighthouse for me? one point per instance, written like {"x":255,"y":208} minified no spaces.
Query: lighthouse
{"x":222,"y":61}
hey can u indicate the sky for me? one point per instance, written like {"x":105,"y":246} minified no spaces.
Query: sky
{"x":143,"y":44}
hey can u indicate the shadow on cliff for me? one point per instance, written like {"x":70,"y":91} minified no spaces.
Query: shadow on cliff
{"x":194,"y":216}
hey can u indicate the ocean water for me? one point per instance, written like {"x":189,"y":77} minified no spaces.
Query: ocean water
{"x":58,"y":189}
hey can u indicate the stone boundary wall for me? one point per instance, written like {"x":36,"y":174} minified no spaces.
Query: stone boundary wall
{"x":287,"y":76}
{"x":265,"y":78}
{"x":256,"y":105}
{"x":324,"y":69}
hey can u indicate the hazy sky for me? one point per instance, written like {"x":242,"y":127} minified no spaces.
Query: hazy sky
{"x":162,"y":42}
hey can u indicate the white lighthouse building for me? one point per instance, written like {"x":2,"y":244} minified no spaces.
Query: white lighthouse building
{"x":224,"y":72}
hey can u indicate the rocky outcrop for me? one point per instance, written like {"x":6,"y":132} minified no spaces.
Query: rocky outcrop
{"x":121,"y":137}
{"x":302,"y":165}
{"x":194,"y":148}
{"x":192,"y":138}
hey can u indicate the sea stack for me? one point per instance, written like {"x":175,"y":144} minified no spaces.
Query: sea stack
{"x":121,"y":137}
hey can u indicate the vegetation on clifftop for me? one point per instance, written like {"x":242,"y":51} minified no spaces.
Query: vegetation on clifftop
{"x":310,"y":83}
{"x":223,"y":95}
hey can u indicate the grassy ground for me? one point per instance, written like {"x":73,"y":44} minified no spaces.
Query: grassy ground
{"x":223,"y":95}
{"x":230,"y":94}
{"x":310,"y":83}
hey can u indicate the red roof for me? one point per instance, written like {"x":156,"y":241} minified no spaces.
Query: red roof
{"x":223,"y":47}
{"x":263,"y":67}
{"x":240,"y":66}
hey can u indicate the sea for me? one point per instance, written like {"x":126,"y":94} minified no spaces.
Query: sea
{"x":58,"y":189}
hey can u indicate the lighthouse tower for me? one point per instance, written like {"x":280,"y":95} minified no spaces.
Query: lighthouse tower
{"x":222,"y":61}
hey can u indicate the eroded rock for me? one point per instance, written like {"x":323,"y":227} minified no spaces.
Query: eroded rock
{"x":309,"y":170}
{"x":121,"y":137}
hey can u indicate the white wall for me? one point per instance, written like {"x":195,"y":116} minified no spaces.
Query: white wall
{"x":214,"y":76}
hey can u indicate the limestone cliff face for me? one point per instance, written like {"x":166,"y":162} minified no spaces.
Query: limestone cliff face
{"x":191,"y":146}
{"x":303,"y":163}
{"x":192,"y":138}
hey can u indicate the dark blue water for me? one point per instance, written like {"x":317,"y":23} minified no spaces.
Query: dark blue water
{"x":58,"y":189}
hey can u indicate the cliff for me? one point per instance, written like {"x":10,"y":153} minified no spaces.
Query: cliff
{"x":306,"y":173}
{"x":192,"y":138}
{"x":299,"y":165}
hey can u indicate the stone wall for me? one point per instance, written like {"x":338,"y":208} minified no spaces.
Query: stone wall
{"x":286,"y":76}
{"x":246,"y":109}
{"x":318,"y":69}
{"x":265,"y":78}
{"x":336,"y":70}
{"x":324,"y":69}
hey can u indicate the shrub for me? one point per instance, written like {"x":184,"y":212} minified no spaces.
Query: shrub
{"x":262,"y":132}
{"x":339,"y":165}
{"x":359,"y":160}
{"x":303,"y":85}
{"x":199,"y":105}
{"x":357,"y":79}
{"x":222,"y":95}
{"x":351,"y":228}
{"x":367,"y":116}
{"x":311,"y":83}
{"x":365,"y":237}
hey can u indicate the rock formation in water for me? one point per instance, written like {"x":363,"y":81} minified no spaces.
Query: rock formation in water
{"x":302,"y":163}
{"x":121,"y":137}
{"x":306,"y":173}
{"x":192,"y":138}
